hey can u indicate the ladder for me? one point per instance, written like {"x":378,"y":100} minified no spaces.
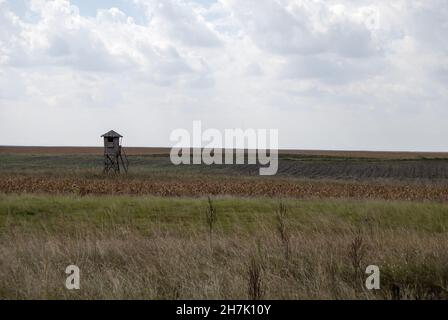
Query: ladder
{"x":125,"y":161}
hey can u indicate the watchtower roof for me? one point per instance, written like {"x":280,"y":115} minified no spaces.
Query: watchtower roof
{"x":112,"y":134}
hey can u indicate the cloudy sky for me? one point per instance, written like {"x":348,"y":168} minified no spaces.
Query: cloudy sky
{"x":328,"y":74}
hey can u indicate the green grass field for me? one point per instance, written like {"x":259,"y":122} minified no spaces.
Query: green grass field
{"x":160,"y":248}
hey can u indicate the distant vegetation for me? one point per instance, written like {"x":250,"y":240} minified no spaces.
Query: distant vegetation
{"x":418,"y":180}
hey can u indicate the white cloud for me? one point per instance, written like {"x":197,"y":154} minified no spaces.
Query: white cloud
{"x":304,"y":28}
{"x":328,"y":74}
{"x":179,"y":22}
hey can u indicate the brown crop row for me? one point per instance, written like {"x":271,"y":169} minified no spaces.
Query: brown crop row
{"x":240,"y":187}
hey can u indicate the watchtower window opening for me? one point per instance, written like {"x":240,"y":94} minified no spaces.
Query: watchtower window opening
{"x":110,"y":139}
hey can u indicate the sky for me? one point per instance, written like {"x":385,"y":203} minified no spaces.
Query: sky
{"x":333,"y":74}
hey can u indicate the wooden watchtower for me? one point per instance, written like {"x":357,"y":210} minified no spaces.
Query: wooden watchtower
{"x":113,"y":153}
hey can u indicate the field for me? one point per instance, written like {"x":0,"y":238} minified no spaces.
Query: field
{"x":307,"y":233}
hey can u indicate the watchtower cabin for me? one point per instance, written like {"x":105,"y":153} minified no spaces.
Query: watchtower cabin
{"x":113,"y":153}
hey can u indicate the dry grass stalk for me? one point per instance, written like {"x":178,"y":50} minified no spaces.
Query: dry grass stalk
{"x":210,"y":215}
{"x":255,"y":283}
{"x":283,"y":230}
{"x":356,"y":254}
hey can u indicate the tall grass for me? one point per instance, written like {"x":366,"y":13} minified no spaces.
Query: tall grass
{"x":154,"y":248}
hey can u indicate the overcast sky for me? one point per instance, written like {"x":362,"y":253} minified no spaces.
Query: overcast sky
{"x":368,"y":75}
